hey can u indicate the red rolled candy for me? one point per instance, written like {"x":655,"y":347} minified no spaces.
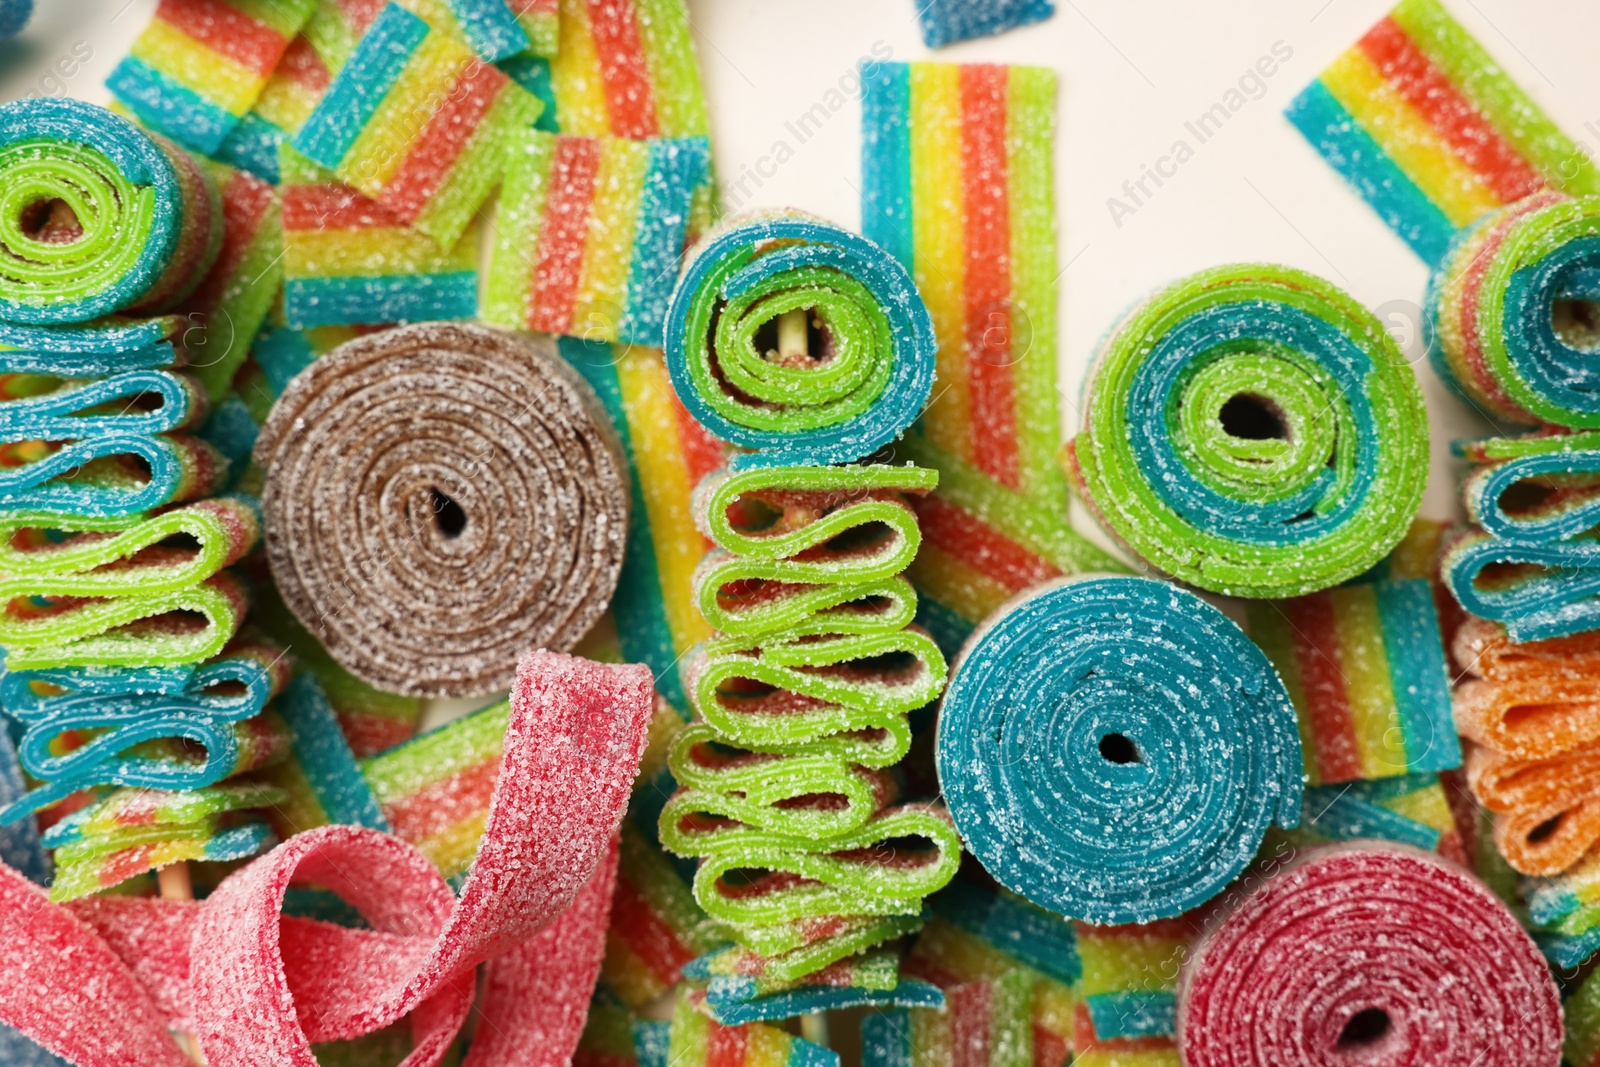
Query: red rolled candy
{"x":1378,"y":957}
{"x":258,"y":988}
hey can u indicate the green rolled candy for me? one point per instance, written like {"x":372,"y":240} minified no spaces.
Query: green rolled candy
{"x":1254,"y":431}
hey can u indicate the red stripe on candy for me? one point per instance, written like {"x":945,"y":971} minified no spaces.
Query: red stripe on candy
{"x":725,"y":1046}
{"x":225,"y":30}
{"x":1050,"y":1049}
{"x":970,"y":1025}
{"x":245,"y":202}
{"x":980,"y":546}
{"x":702,"y":453}
{"x":558,"y":272}
{"x":986,"y":199}
{"x":1085,"y":1039}
{"x":434,"y":153}
{"x":1316,"y":641}
{"x":624,"y":71}
{"x":440,"y":805}
{"x":1426,"y":88}
{"x":333,"y":207}
{"x":636,"y":923}
{"x":302,"y":65}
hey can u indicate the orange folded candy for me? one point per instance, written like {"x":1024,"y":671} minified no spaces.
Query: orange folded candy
{"x":1527,"y":701}
{"x":1548,"y":810}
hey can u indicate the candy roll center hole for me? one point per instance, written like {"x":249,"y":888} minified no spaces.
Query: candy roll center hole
{"x":1545,"y":830}
{"x":1577,"y":323}
{"x":447,"y":515}
{"x":1119,"y":749}
{"x":793,"y":339}
{"x":51,"y":222}
{"x":1252,"y":418}
{"x":1363,"y":1030}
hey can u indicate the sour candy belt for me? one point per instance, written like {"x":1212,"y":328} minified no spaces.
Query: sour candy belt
{"x":628,"y":70}
{"x":948,"y":21}
{"x":408,"y":465}
{"x":697,"y":1041}
{"x":588,"y":233}
{"x":869,"y":980}
{"x":1113,"y":749}
{"x":958,"y":185}
{"x":1358,"y":946}
{"x":867,"y":381}
{"x":199,"y":65}
{"x":985,"y":1023}
{"x":1254,"y":431}
{"x":418,"y":123}
{"x":1465,"y":167}
{"x":98,"y":216}
{"x":1365,"y":667}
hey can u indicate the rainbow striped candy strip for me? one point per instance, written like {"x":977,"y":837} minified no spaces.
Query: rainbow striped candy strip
{"x":1411,"y":809}
{"x":588,"y":234}
{"x":697,"y":1041}
{"x":200,"y":65}
{"x":1129,"y":992}
{"x":349,"y":259}
{"x":945,"y":22}
{"x":988,"y":1021}
{"x":958,"y":184}
{"x":1365,"y":667}
{"x":627,"y":69}
{"x":286,"y":101}
{"x":869,"y":980}
{"x":1488,"y":191}
{"x":788,"y":952}
{"x":668,"y":455}
{"x":112,"y":715}
{"x":136,"y":830}
{"x":418,"y":123}
{"x":496,"y":29}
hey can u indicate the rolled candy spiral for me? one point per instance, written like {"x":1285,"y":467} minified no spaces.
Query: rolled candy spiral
{"x":1252,"y":430}
{"x":870,"y":373}
{"x":1369,"y":955}
{"x":96,"y":215}
{"x":1113,"y":749}
{"x":409,"y":466}
{"x":1504,"y":322}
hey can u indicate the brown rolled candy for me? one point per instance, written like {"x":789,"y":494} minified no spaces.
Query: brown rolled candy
{"x":440,"y":498}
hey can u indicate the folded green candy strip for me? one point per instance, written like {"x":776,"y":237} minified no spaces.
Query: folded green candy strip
{"x":1254,"y":431}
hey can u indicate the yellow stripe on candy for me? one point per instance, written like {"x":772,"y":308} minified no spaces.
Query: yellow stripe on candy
{"x":1408,"y":139}
{"x":215,"y":77}
{"x":382,"y":145}
{"x":647,"y":404}
{"x":358,"y":253}
{"x":608,"y":246}
{"x":936,"y":192}
{"x":1426,"y":806}
{"x":1124,"y":962}
{"x":766,"y":1046}
{"x":961,"y":954}
{"x":931,"y":1042}
{"x":453,"y":848}
{"x":1375,"y":720}
{"x":959,"y":587}
{"x":575,"y":75}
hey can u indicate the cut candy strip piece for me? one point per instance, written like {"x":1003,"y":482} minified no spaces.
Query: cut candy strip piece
{"x":948,"y":21}
{"x":697,"y":1041}
{"x":988,"y":1022}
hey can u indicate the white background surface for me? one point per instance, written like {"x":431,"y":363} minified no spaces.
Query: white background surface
{"x":1132,"y":73}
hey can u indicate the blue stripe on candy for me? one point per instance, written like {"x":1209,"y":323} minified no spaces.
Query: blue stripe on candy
{"x":34,"y":485}
{"x":886,"y":215}
{"x":87,"y":364}
{"x":325,"y":758}
{"x":886,"y":1039}
{"x":1348,"y":812}
{"x":1023,"y":931}
{"x":533,"y":74}
{"x":677,"y":167}
{"x":252,"y":146}
{"x":1131,"y":1015}
{"x":642,"y":628}
{"x":170,"y":108}
{"x":281,"y":354}
{"x":345,"y":301}
{"x":1359,"y":159}
{"x":1566,"y":952}
{"x":947,"y":628}
{"x":1415,"y":650}
{"x":948,"y":21}
{"x":652,"y":1042}
{"x":366,"y":79}
{"x":807,"y":1000}
{"x":491,"y":28}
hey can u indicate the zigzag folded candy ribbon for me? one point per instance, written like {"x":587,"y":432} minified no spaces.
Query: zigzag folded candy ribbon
{"x":257,"y":987}
{"x":348,"y":259}
{"x":588,"y":233}
{"x":874,"y":366}
{"x":200,"y":65}
{"x":1464,"y":166}
{"x":1365,"y":667}
{"x":1254,"y":431}
{"x":382,"y":503}
{"x":958,"y":185}
{"x":1530,"y":563}
{"x":418,"y":123}
{"x":869,"y":980}
{"x":131,"y":223}
{"x":1114,"y":749}
{"x":1360,"y":946}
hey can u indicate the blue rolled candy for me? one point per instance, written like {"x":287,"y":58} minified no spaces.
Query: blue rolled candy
{"x":126,"y":708}
{"x":1113,"y":749}
{"x":727,"y":266}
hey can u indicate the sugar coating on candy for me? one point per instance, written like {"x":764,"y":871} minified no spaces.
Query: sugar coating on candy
{"x":1126,"y":687}
{"x":948,"y":21}
{"x":1432,"y":132}
{"x":1411,"y":809}
{"x":1365,"y":667}
{"x":1358,"y":935}
{"x":1129,"y":988}
{"x":418,"y":123}
{"x":1252,"y":430}
{"x":587,"y":235}
{"x":1516,"y":565}
{"x":348,"y":259}
{"x":408,"y":465}
{"x":833,"y":398}
{"x":987,"y":1023}
{"x":697,"y":1041}
{"x":668,"y":455}
{"x":114,"y":218}
{"x":199,"y":65}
